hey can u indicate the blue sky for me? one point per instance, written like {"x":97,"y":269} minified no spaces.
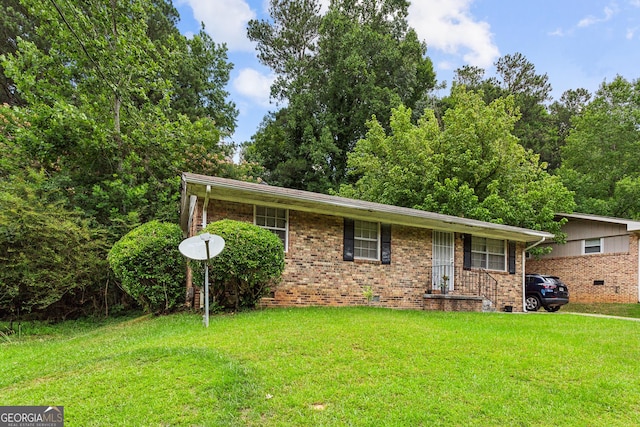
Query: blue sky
{"x":577,"y":43}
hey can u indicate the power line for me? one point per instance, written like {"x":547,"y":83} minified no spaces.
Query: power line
{"x":84,"y":49}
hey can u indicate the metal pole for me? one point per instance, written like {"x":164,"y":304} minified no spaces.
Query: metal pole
{"x":206,"y":287}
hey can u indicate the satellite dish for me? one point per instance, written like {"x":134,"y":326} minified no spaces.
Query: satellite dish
{"x":202,"y":247}
{"x":196,"y":247}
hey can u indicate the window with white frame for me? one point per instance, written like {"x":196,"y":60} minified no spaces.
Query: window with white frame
{"x":275,"y":220}
{"x":488,"y":253}
{"x":593,"y":246}
{"x":366,"y":240}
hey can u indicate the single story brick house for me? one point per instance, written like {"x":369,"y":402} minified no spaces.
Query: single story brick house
{"x":600,"y":261}
{"x":336,"y":249}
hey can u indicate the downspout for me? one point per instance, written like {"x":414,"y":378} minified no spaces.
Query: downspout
{"x":524,"y":261}
{"x":193,"y":200}
{"x":204,"y":207}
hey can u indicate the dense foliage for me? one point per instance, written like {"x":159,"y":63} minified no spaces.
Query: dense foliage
{"x":149,"y":265}
{"x":472,"y":166}
{"x":517,"y":77}
{"x":334,"y":71}
{"x":252,"y":261}
{"x":600,"y":160}
{"x":108,"y":103}
{"x":109,"y":117}
{"x":49,"y":256}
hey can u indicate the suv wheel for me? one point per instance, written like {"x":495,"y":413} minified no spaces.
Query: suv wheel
{"x":552,"y":309}
{"x":532,"y":303}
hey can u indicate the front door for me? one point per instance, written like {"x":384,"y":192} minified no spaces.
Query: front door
{"x":443,"y":260}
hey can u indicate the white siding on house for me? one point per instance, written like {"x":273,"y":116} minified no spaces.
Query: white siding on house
{"x":580,"y":230}
{"x":616,"y":244}
{"x":615,"y":238}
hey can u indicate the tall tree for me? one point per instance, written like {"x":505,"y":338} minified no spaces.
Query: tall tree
{"x":530,"y":90}
{"x":288,"y":43}
{"x":600,"y":159}
{"x":15,"y":24}
{"x":516,"y":76}
{"x":112,"y":108}
{"x":197,"y":78}
{"x":562,"y":112}
{"x":100,"y":97}
{"x":472,"y":166}
{"x":335,"y":71}
{"x":199,"y":82}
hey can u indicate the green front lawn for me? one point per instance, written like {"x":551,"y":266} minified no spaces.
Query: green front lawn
{"x":611,"y":309}
{"x":346,"y":366}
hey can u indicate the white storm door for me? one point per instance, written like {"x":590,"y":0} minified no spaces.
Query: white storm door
{"x":443,"y":258}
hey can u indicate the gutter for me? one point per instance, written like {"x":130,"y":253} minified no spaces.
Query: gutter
{"x":252,"y":193}
{"x":524,"y":260}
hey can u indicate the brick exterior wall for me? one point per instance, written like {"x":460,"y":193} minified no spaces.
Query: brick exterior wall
{"x":509,"y":286}
{"x":315,"y":273}
{"x":619,"y":271}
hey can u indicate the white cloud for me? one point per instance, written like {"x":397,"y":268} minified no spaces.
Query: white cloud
{"x":588,"y":21}
{"x":225,"y":21}
{"x":591,"y":20}
{"x":448,"y":25}
{"x":252,"y":84}
{"x":324,"y":6}
{"x":446,"y":65}
{"x":559,"y":32}
{"x":630,"y":33}
{"x":609,"y":12}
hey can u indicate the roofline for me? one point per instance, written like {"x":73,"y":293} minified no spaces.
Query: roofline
{"x":631,"y":224}
{"x":247,"y":192}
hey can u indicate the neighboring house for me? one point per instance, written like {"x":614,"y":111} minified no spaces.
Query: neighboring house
{"x":338,"y":248}
{"x":599,"y":261}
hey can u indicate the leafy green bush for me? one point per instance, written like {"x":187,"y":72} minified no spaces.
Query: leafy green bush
{"x":251,"y":262}
{"x":48,"y":253}
{"x":149,"y":265}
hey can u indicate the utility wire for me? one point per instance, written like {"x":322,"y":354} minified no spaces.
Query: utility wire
{"x":84,"y":49}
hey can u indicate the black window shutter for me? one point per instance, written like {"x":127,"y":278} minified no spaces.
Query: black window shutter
{"x":466,"y":263}
{"x":512,"y":257}
{"x":349,"y":232}
{"x":385,"y":240}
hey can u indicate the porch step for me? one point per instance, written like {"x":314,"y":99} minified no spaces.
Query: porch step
{"x":457,"y":303}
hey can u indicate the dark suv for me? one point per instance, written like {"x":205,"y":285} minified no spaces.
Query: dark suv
{"x":546,"y":291}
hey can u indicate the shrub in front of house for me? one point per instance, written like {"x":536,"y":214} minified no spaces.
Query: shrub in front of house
{"x":250,"y":264}
{"x":150,"y":267}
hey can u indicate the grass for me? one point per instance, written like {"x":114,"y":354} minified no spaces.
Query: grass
{"x":612,"y":309}
{"x":33,"y":329}
{"x":347,"y":366}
